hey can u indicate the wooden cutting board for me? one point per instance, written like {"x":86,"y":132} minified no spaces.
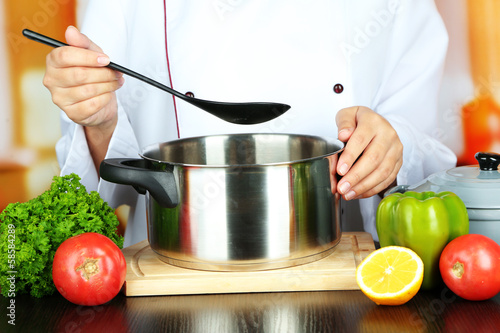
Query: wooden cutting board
{"x":147,"y":275}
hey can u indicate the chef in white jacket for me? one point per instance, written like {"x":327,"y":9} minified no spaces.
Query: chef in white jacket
{"x":365,"y":71}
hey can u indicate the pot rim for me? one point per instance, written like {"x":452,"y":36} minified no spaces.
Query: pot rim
{"x":339,"y":144}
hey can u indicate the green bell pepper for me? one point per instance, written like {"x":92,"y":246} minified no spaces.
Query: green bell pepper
{"x":424,"y":222}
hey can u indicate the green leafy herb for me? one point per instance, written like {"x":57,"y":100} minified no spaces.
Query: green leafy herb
{"x":31,"y":232}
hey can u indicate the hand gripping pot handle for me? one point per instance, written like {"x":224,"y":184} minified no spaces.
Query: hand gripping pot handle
{"x":159,"y":183}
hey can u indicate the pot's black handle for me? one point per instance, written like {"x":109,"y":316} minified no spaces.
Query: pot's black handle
{"x":159,"y":183}
{"x":396,"y":189}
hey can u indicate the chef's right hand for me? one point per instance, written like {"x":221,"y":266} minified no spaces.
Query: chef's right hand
{"x":80,"y":83}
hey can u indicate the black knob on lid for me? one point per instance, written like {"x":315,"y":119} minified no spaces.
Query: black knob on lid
{"x":488,"y":161}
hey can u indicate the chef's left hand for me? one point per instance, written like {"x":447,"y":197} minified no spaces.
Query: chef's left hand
{"x":375,"y":147}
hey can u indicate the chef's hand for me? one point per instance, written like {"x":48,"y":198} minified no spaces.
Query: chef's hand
{"x":375,"y":147}
{"x":80,"y":83}
{"x":84,"y":88}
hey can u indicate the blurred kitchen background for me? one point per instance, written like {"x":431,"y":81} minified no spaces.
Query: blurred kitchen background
{"x":29,"y":121}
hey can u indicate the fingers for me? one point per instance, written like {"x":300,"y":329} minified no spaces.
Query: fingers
{"x":67,"y":96}
{"x":76,"y":38}
{"x":81,"y":52}
{"x":346,"y":122}
{"x":73,"y":85}
{"x":370,"y":176}
{"x":372,"y":156}
{"x":357,"y":136}
{"x":76,"y":76}
{"x":87,"y":112}
{"x":70,"y":56}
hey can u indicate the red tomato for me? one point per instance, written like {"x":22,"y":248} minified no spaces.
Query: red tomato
{"x":89,"y":269}
{"x":470,"y":267}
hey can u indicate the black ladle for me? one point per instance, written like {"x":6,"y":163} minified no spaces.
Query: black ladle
{"x":238,"y":113}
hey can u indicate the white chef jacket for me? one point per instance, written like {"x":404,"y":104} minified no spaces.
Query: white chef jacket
{"x":386,"y":54}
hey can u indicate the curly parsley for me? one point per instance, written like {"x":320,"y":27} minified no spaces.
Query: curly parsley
{"x":31,"y":232}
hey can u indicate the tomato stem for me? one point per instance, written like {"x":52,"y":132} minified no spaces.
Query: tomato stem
{"x":88,"y":268}
{"x":458,"y":269}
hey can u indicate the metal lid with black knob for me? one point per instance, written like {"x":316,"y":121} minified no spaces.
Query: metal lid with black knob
{"x":477,"y":185}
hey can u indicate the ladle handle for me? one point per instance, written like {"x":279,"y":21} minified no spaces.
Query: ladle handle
{"x":55,"y":43}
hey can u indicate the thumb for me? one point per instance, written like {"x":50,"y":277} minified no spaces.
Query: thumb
{"x":76,"y":38}
{"x":346,"y":122}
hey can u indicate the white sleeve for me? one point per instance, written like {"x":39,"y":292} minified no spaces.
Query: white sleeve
{"x":408,"y":96}
{"x":74,"y":156}
{"x":123,"y":144}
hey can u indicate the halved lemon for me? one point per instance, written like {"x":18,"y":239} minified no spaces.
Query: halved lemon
{"x":391,"y":275}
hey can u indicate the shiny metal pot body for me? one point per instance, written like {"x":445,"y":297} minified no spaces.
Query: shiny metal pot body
{"x":241,"y":202}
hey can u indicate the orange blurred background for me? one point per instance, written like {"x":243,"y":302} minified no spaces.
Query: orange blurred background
{"x":481,"y":115}
{"x":470,"y":91}
{"x":29,"y":122}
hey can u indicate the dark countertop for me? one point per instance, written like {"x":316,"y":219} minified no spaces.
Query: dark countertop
{"x":329,"y":311}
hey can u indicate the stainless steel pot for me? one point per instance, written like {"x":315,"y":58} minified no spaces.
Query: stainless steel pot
{"x":477,"y":185}
{"x":237,"y":202}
